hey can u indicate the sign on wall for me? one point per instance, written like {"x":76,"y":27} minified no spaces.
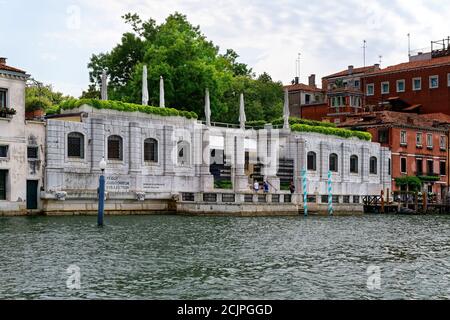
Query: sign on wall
{"x":117,"y":184}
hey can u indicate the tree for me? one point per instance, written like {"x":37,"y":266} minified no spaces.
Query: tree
{"x":189,"y":63}
{"x":41,"y":96}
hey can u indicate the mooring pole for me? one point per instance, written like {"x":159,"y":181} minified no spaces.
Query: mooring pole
{"x":330,"y":195}
{"x":382,"y":201}
{"x":101,"y":194}
{"x":305,"y":193}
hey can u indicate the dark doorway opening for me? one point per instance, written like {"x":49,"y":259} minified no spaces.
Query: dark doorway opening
{"x":32,"y":194}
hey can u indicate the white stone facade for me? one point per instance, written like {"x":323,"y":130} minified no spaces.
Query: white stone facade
{"x":20,"y":173}
{"x":181,"y":167}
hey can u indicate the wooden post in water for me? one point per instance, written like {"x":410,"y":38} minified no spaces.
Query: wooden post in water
{"x":416,"y":201}
{"x":387,"y":198}
{"x":425,"y":202}
{"x":382,"y":201}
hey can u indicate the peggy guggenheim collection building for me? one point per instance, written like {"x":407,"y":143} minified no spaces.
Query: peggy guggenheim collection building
{"x":161,"y":160}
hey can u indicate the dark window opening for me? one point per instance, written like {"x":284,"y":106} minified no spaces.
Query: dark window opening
{"x":115,"y":151}
{"x":373,"y":165}
{"x":4,"y":151}
{"x":383,"y":136}
{"x":443,"y":168}
{"x":403,"y":165}
{"x":151,"y":150}
{"x":419,"y":167}
{"x":3,"y":98}
{"x":75,"y":145}
{"x":430,"y":169}
{"x":333,"y":162}
{"x":354,"y":164}
{"x":33,"y":153}
{"x":312,"y":161}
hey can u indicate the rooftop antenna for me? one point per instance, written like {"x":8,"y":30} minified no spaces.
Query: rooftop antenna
{"x":409,"y":45}
{"x":364,"y":52}
{"x":299,"y":65}
{"x":380,"y":57}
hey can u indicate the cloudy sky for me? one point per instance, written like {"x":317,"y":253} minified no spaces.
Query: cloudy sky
{"x":54,"y":39}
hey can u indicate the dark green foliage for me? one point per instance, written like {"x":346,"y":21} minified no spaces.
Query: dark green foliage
{"x":412,"y":183}
{"x":189,"y":63}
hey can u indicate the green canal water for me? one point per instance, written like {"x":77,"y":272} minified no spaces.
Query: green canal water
{"x":174,"y":257}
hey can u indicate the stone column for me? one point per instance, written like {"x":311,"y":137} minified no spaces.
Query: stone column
{"x":345,"y":165}
{"x":240,"y":179}
{"x":98,"y":148}
{"x":271,"y":161}
{"x":364,"y":164}
{"x":206,"y":178}
{"x":298,"y":147}
{"x":169,"y":151}
{"x":323,"y":161}
{"x":135,"y":146}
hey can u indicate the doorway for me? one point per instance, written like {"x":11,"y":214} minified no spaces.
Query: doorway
{"x":3,"y":175}
{"x":32,"y":194}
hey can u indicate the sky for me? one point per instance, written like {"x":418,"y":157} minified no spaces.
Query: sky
{"x":53,"y":40}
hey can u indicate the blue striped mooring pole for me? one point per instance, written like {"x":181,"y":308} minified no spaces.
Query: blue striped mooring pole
{"x":305,"y":192}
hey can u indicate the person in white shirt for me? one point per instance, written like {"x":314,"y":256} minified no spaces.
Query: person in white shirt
{"x":256,"y":186}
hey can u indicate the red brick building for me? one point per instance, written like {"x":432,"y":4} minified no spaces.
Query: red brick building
{"x":419,"y":145}
{"x":421,"y":86}
{"x":344,"y":92}
{"x":306,"y":100}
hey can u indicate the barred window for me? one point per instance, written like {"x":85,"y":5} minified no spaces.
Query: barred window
{"x":311,"y":161}
{"x":32,"y":153}
{"x":354,"y":164}
{"x":75,"y":145}
{"x":373,"y":165}
{"x":151,"y":150}
{"x":115,"y":148}
{"x":333,"y":162}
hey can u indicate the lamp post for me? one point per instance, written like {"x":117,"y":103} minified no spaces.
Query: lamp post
{"x":101,"y":193}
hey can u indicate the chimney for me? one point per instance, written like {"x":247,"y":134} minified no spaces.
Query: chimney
{"x":297,"y":80}
{"x":3,"y":61}
{"x":377,"y":66}
{"x":350,"y":69}
{"x":312,"y":80}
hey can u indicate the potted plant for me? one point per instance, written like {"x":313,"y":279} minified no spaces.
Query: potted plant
{"x":7,"y":112}
{"x":35,"y":107}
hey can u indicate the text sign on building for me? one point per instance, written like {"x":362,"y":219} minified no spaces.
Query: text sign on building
{"x":117,"y":184}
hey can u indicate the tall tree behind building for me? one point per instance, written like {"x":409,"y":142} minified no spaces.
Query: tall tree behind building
{"x":189,"y":63}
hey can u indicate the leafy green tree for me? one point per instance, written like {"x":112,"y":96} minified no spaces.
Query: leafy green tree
{"x":41,"y":96}
{"x":189,"y":63}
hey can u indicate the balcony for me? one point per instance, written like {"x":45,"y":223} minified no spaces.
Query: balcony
{"x":343,"y":110}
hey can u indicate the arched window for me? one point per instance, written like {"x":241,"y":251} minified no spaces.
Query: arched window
{"x":75,"y":145}
{"x":373,"y":165}
{"x":354,"y":164}
{"x":184,"y":153}
{"x":334,"y":162}
{"x":115,"y":148}
{"x":311,"y":161}
{"x":151,"y":150}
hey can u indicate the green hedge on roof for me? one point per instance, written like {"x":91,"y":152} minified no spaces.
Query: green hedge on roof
{"x":304,"y":125}
{"x":121,"y":106}
{"x":292,"y":121}
{"x":343,"y":133}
